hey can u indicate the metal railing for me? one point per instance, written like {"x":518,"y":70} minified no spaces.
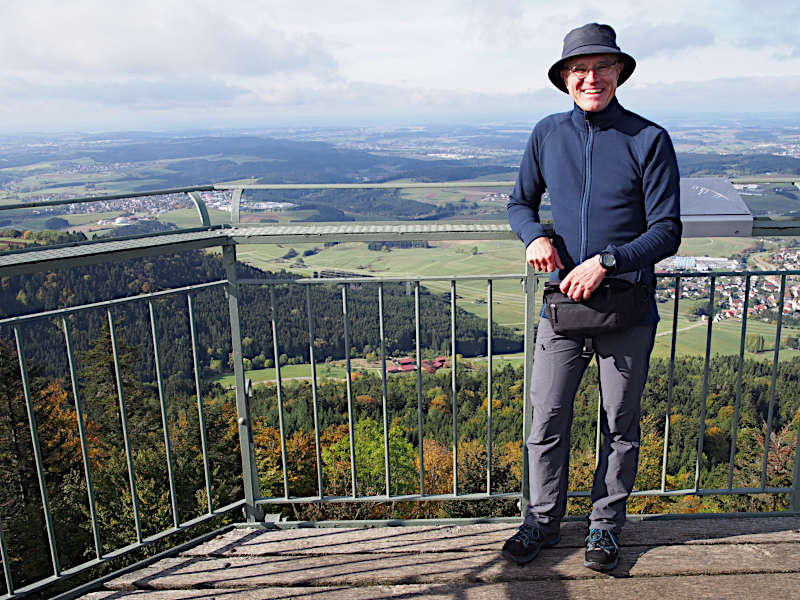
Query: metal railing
{"x":253,"y":501}
{"x":379,"y":283}
{"x":530,"y":283}
{"x":32,"y":320}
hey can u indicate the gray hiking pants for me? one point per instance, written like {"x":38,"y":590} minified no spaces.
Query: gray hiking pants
{"x":559,"y":364}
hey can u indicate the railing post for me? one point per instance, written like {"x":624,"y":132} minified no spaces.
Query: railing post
{"x":37,"y":453}
{"x":252,"y":489}
{"x":420,"y":430}
{"x":236,"y":206}
{"x":704,"y":394}
{"x":795,"y":505}
{"x":454,"y":383}
{"x":202,"y":211}
{"x":529,"y":284}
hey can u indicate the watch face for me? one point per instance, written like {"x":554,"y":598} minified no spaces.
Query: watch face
{"x":607,"y":260}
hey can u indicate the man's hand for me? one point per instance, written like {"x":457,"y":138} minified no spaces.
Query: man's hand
{"x":542,"y":255}
{"x":583,"y":279}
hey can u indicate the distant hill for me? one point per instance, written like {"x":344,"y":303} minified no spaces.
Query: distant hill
{"x":197,"y":160}
{"x":736,"y":165}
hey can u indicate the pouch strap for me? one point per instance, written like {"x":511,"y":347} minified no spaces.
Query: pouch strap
{"x":588,"y":347}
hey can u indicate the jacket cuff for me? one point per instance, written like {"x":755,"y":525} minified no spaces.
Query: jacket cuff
{"x":530,"y":232}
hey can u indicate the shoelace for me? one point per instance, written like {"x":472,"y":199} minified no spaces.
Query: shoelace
{"x":527,"y":534}
{"x":599,"y":539}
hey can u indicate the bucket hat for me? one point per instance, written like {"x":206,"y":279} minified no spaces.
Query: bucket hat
{"x":592,"y":38}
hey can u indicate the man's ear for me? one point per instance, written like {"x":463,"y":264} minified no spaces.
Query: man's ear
{"x":620,"y":68}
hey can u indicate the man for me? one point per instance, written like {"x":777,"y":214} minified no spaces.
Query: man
{"x":613,"y":184}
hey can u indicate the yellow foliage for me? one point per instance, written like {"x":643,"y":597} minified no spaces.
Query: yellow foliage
{"x":496,"y":403}
{"x":438,"y":468}
{"x":726,"y":412}
{"x":366,"y":400}
{"x":441,"y":403}
{"x":511,"y":457}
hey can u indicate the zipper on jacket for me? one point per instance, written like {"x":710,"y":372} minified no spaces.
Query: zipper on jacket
{"x":587,"y":180}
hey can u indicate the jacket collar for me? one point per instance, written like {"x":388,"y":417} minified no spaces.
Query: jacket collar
{"x":601,"y":119}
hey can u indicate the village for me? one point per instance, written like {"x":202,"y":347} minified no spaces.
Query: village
{"x":406,"y":364}
{"x":729,"y":297}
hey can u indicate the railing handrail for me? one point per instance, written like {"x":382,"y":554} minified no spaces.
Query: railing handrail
{"x":223,"y":187}
{"x":226,"y":187}
{"x":108,"y":197}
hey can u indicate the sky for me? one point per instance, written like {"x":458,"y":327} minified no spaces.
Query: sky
{"x":95,"y":65}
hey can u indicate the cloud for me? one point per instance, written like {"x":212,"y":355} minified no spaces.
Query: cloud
{"x":779,"y":33}
{"x":146,"y":38}
{"x":163,"y":94}
{"x":724,"y":95}
{"x":496,"y":21}
{"x":644,"y":40}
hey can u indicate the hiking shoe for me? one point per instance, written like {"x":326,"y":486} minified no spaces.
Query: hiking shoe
{"x":602,"y":550}
{"x":523,"y":546}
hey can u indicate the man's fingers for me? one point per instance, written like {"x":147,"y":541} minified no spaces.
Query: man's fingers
{"x":542,"y":255}
{"x":546,"y":263}
{"x":554,"y":261}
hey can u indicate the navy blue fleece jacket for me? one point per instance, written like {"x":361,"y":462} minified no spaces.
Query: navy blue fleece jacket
{"x":614,"y":186}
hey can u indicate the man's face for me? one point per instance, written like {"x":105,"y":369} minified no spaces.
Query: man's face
{"x":593,"y":92}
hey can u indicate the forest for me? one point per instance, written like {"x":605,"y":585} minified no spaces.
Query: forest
{"x":56,"y":419}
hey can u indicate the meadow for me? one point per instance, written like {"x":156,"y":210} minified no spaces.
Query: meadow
{"x":505,"y":257}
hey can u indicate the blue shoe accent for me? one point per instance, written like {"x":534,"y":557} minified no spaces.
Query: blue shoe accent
{"x":602,"y":550}
{"x":524,"y":545}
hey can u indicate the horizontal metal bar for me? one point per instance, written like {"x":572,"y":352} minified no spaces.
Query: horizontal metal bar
{"x":412,"y":278}
{"x":318,"y":186}
{"x":318,"y":234}
{"x":46,"y":258}
{"x":376,"y":523}
{"x":384,"y":498}
{"x":484,"y":495}
{"x":743,"y":180}
{"x":365,"y":186}
{"x":723,"y":273}
{"x":107,"y":303}
{"x":85,"y":199}
{"x":692,"y":491}
{"x":511,"y":276}
{"x":92,"y":252}
{"x":265,"y":281}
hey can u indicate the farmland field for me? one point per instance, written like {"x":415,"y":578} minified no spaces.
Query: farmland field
{"x":497,"y":257}
{"x":443,"y":259}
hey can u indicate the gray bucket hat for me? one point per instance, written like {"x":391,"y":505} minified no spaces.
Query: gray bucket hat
{"x":592,"y":38}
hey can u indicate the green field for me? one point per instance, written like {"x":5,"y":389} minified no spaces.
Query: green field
{"x":717,"y":247}
{"x":444,"y":259}
{"x":498,"y":257}
{"x":260,"y":376}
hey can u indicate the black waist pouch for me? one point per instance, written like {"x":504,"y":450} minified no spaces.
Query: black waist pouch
{"x":616,"y":304}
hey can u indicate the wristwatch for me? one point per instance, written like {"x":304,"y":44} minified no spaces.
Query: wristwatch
{"x":608,"y":261}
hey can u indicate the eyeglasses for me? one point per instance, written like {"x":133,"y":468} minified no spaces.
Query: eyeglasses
{"x":581,"y":71}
